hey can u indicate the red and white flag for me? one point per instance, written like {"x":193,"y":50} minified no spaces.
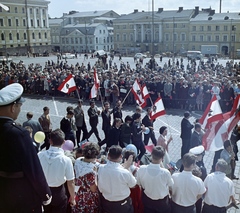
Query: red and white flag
{"x":145,"y":95}
{"x":158,"y":109}
{"x":68,"y":85}
{"x":137,"y":92}
{"x":220,"y":130}
{"x":212,"y":113}
{"x":95,"y":87}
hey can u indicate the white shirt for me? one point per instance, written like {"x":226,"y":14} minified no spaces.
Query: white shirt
{"x":219,"y":189}
{"x":56,"y":166}
{"x":154,"y":180}
{"x":114,"y":182}
{"x":186,"y":188}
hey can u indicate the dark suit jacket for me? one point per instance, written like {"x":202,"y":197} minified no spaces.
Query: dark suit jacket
{"x":186,"y":129}
{"x":93,"y":116}
{"x":196,"y":139}
{"x":106,"y":123}
{"x":35,"y":125}
{"x":18,"y":156}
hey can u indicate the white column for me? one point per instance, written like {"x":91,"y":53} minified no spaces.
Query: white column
{"x":135,"y":32}
{"x":41,"y":17}
{"x":160,"y":33}
{"x":47,"y":23}
{"x":35,"y":17}
{"x":142,"y":33}
{"x":29,"y":18}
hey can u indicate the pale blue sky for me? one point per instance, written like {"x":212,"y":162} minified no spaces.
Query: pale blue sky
{"x":58,"y":7}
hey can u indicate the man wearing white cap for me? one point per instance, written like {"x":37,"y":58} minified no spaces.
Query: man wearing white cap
{"x":23,"y":187}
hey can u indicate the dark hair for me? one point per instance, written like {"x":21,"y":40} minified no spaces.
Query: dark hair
{"x":188,"y":160}
{"x":128,"y":118}
{"x":127,"y":153}
{"x":158,"y":152}
{"x":29,"y":114}
{"x":226,"y":144}
{"x":91,"y":150}
{"x":29,"y":129}
{"x":69,"y":108}
{"x":45,"y":108}
{"x":197,"y":125}
{"x":162,"y":129}
{"x":116,"y":120}
{"x":70,"y":112}
{"x":115,"y":152}
{"x":136,"y":115}
{"x":57,"y":137}
{"x":186,"y":114}
{"x":80,"y":101}
{"x":91,"y":102}
{"x":106,"y":103}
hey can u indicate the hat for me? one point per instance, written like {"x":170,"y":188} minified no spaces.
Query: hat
{"x":11,"y":93}
{"x":197,"y":150}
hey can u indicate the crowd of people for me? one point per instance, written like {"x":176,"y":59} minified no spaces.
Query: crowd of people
{"x":53,"y":178}
{"x":189,"y":87}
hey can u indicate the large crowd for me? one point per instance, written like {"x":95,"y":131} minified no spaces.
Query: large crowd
{"x":189,"y":87}
{"x":112,"y":181}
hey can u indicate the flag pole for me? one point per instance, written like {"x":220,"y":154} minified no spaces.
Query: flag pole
{"x":126,"y":97}
{"x":78,"y":94}
{"x":100,"y":94}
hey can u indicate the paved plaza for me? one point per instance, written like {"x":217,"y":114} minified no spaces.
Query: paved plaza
{"x":58,"y":107}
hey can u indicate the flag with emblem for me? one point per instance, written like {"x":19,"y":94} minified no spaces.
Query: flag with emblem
{"x":137,"y":92}
{"x":158,"y":109}
{"x":95,"y":87}
{"x":68,"y":85}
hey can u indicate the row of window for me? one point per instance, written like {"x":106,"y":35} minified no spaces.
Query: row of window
{"x":209,"y":38}
{"x":85,"y":39}
{"x":10,"y":36}
{"x":23,"y":10}
{"x":214,"y":28}
{"x":23,"y":23}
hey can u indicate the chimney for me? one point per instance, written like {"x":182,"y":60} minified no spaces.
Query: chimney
{"x":160,"y":10}
{"x":196,"y":11}
{"x":180,"y":9}
{"x":212,"y":12}
{"x":135,"y":10}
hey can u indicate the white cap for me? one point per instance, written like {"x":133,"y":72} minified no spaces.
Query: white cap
{"x":197,"y":150}
{"x":11,"y":93}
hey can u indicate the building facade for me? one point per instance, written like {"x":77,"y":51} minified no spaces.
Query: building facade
{"x":25,"y":27}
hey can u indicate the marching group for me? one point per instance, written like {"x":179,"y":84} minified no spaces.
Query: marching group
{"x":50,"y":178}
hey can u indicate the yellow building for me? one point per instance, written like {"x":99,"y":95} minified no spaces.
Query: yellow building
{"x":25,"y":27}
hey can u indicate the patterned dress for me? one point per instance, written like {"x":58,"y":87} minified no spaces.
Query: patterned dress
{"x":86,"y":200}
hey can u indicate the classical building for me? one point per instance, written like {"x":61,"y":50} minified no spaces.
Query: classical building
{"x":177,"y":31}
{"x":219,"y":29}
{"x":25,"y":27}
{"x":83,"y":31}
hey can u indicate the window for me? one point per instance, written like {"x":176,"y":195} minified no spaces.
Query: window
{"x":217,"y":28}
{"x":63,"y":40}
{"x":193,"y":47}
{"x":103,"y":31}
{"x":233,"y":38}
{"x":80,"y":40}
{"x":96,"y":40}
{"x":17,"y":22}
{"x":100,"y":31}
{"x":2,"y":37}
{"x":33,"y":36}
{"x":1,"y":22}
{"x":45,"y":35}
{"x":24,"y":22}
{"x":9,"y":22}
{"x":18,"y":37}
{"x":44,"y":23}
{"x":39,"y":35}
{"x":117,"y":37}
{"x":124,"y":27}
{"x":201,"y":38}
{"x":174,"y":25}
{"x":167,"y":25}
{"x":43,"y":11}
{"x":209,"y":38}
{"x":193,"y":28}
{"x":24,"y":36}
{"x":0,"y":9}
{"x":37,"y":11}
{"x":31,"y":23}
{"x":175,"y":37}
{"x":23,"y":10}
{"x":201,"y":28}
{"x":66,"y":40}
{"x":10,"y":36}
{"x":183,"y":37}
{"x":124,"y":37}
{"x":208,"y":28}
{"x":225,"y":28}
{"x":217,"y":38}
{"x":38,"y":23}
{"x":31,"y":10}
{"x":76,"y":40}
{"x":16,"y":10}
{"x":193,"y":38}
{"x":72,"y":41}
{"x":167,"y":37}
